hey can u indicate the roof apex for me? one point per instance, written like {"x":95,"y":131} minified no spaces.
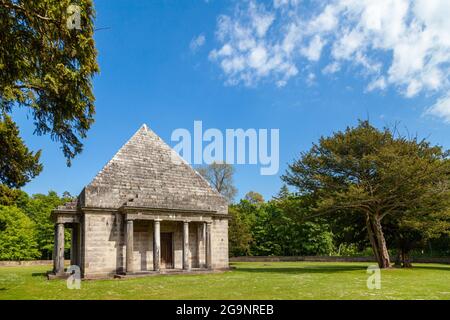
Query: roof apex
{"x":147,"y":172}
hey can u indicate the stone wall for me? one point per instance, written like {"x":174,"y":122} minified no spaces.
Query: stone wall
{"x":104,"y":246}
{"x":143,"y":246}
{"x":219,"y":244}
{"x":445,"y":260}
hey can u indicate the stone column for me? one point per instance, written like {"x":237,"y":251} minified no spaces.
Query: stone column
{"x":74,"y":247}
{"x":200,"y":244}
{"x":130,"y":244}
{"x":59,"y":248}
{"x":55,"y":248}
{"x":156,"y":245}
{"x":186,"y":245}
{"x":208,"y":245}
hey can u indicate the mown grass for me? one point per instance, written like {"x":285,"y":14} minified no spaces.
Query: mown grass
{"x":277,"y":280}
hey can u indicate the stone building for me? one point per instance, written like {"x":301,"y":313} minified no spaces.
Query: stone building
{"x":146,"y":211}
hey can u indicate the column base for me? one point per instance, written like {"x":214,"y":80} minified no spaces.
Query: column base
{"x":60,"y":275}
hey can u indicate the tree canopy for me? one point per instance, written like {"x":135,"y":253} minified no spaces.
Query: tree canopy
{"x":18,"y":165}
{"x":220,"y":177}
{"x":47,"y":62}
{"x":376,"y":173}
{"x":17,"y":235}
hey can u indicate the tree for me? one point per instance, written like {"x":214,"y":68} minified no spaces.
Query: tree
{"x":39,"y":208}
{"x":254,"y":197}
{"x":273,"y":228}
{"x":12,"y":197}
{"x":293,"y":234}
{"x":239,"y":234}
{"x":413,"y":231}
{"x":376,"y":173}
{"x":220,"y":177}
{"x":47,"y":61}
{"x":283,"y":193}
{"x":18,"y":165}
{"x":17,"y":236}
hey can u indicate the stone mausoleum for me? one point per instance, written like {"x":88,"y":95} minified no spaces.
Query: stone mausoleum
{"x":146,"y":211}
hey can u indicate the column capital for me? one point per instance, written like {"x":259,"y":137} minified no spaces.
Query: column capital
{"x":157,"y":220}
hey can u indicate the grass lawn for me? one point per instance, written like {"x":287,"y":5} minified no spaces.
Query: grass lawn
{"x":271,"y":280}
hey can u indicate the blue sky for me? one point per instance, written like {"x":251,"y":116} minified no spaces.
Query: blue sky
{"x":228,"y":64}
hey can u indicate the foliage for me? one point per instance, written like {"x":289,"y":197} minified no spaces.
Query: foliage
{"x":18,"y":165}
{"x":254,"y":197}
{"x":47,"y":64}
{"x":376,"y":174}
{"x":239,"y":234}
{"x":39,"y":208}
{"x":11,"y":197}
{"x":17,"y":235}
{"x":35,"y":213}
{"x":272,"y":228}
{"x":220,"y":177}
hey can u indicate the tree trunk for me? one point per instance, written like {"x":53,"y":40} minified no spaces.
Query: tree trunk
{"x":384,"y":261}
{"x":373,"y":242}
{"x":377,"y":241}
{"x":406,"y":259}
{"x":398,"y":258}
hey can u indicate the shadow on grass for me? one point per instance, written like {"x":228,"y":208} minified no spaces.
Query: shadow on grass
{"x":415,"y":267}
{"x":296,"y":270}
{"x":39,"y":274}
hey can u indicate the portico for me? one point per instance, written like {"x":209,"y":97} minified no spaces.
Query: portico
{"x":195,"y":241}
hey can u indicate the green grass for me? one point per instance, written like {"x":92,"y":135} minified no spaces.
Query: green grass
{"x":277,"y":280}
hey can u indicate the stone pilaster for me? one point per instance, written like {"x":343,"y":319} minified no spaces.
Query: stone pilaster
{"x":129,"y":249}
{"x":59,"y":248}
{"x":156,"y":245}
{"x":208,"y":246}
{"x":186,"y":265}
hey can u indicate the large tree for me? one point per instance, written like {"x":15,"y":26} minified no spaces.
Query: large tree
{"x":254,"y":197}
{"x":17,"y":235}
{"x":38,"y":208}
{"x":47,"y":61}
{"x":376,"y":173}
{"x":18,"y":165}
{"x":220,"y":177}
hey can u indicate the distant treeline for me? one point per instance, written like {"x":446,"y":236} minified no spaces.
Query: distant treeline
{"x":283,"y":227}
{"x":26,"y":230}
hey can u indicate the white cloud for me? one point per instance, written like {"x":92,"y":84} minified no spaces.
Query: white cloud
{"x":331,"y":68}
{"x":197,"y":42}
{"x":311,"y":79}
{"x":441,"y":108}
{"x":379,"y":83}
{"x":404,"y":44}
{"x":314,"y":49}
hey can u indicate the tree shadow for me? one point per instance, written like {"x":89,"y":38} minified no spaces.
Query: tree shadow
{"x":300,"y":270}
{"x":39,"y":274}
{"x":428,"y":268}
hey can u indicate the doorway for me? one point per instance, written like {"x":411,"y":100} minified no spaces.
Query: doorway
{"x":166,"y":250}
